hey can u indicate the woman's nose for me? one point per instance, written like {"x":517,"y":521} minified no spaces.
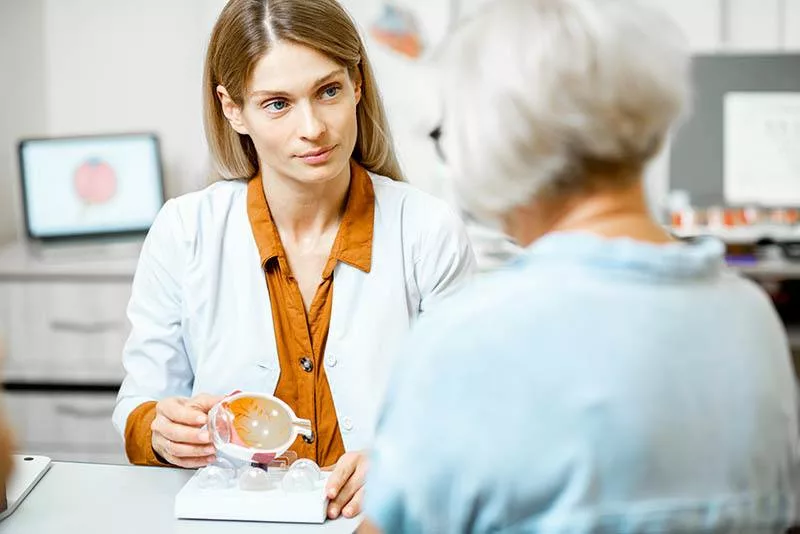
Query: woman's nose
{"x":311,"y":126}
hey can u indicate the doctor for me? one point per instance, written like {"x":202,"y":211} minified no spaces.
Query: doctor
{"x":297,"y":273}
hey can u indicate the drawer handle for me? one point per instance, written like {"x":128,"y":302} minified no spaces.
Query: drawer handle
{"x":97,"y":327}
{"x":83,"y":413}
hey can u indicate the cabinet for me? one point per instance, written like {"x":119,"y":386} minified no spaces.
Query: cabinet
{"x":66,"y":426}
{"x":62,"y":330}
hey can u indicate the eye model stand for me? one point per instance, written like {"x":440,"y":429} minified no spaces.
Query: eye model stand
{"x":255,"y":477}
{"x":280,"y":493}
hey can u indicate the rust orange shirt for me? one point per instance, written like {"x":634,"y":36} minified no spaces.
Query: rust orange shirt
{"x":300,"y":336}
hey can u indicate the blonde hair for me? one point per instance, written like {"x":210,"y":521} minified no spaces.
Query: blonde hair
{"x":243,"y":34}
{"x":569,"y":93}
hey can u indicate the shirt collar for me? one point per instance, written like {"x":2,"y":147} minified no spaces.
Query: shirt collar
{"x":353,"y":243}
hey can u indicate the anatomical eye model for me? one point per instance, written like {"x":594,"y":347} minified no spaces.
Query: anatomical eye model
{"x":254,"y":428}
{"x":257,"y":429}
{"x":258,"y":423}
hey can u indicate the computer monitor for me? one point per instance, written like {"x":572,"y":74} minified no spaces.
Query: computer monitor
{"x":90,"y":186}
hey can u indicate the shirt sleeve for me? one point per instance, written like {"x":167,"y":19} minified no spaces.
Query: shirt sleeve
{"x":155,"y":359}
{"x":445,"y":259}
{"x":138,"y":436}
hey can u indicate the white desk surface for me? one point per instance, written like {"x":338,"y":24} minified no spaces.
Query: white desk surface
{"x":76,"y":498}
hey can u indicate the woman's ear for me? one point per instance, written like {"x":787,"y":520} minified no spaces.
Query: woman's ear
{"x":357,"y":79}
{"x":232,"y":111}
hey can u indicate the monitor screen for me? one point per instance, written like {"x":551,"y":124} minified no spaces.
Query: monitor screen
{"x":90,"y":186}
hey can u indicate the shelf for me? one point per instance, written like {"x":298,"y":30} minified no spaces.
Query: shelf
{"x":743,"y":235}
{"x":772,"y":269}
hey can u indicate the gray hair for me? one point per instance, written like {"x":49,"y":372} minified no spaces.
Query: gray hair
{"x":538,"y":93}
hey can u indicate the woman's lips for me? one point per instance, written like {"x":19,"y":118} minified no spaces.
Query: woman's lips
{"x":316,"y":157}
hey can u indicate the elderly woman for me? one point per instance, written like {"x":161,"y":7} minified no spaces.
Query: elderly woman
{"x":611,"y":379}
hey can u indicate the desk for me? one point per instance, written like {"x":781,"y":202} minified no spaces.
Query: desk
{"x":74,"y":498}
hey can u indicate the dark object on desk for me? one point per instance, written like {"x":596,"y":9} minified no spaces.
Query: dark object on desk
{"x":790,"y":249}
{"x":786,"y":298}
{"x":742,"y":249}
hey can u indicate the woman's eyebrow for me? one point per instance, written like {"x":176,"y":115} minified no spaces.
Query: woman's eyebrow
{"x":319,"y":81}
{"x":328,"y":77}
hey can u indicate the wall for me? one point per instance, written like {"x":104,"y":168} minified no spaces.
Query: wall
{"x":23,"y":106}
{"x":115,"y":65}
{"x":727,"y":26}
{"x":84,"y":66}
{"x":98,"y":66}
{"x":791,"y":26}
{"x":711,"y":26}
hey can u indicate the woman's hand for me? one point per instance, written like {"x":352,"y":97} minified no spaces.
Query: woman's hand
{"x":177,"y":434}
{"x":345,"y":487}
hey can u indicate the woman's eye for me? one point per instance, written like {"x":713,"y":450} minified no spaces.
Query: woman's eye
{"x":276,"y":106}
{"x":331,"y":91}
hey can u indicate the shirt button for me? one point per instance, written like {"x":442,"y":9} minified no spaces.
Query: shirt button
{"x":306,"y":364}
{"x":347,"y":424}
{"x":309,"y":439}
{"x":330,"y":360}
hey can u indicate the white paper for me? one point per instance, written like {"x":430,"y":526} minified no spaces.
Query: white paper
{"x":762,"y":148}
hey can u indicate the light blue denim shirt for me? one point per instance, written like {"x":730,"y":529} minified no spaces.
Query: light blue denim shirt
{"x":593,"y":386}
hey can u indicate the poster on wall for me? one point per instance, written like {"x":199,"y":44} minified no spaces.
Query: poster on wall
{"x":402,"y":38}
{"x":762,"y":148}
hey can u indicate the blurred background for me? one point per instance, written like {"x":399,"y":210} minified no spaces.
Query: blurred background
{"x":100,"y":121}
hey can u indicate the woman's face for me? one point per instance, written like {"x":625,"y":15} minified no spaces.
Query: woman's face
{"x":300,"y":112}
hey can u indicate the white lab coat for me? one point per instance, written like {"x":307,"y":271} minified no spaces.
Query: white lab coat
{"x":201,"y":318}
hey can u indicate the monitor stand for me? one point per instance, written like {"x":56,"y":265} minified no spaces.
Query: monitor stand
{"x":85,"y":250}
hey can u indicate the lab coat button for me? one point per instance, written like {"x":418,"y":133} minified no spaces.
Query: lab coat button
{"x":306,"y":364}
{"x":330,"y":360}
{"x":347,"y":423}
